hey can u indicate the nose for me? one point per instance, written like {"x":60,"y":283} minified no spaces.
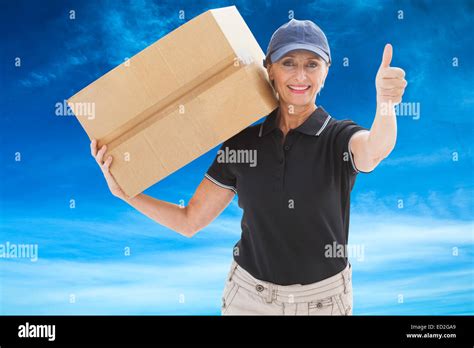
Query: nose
{"x":300,"y":74}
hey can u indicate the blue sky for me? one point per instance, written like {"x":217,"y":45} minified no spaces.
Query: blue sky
{"x":422,"y":252}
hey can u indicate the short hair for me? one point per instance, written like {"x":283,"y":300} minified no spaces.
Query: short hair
{"x":268,"y":60}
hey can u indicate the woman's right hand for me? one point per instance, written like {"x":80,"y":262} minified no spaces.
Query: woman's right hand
{"x":104,"y":166}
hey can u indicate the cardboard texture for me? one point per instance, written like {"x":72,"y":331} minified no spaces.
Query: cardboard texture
{"x":180,"y":97}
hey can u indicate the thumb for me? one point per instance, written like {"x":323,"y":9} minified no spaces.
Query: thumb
{"x":387,"y":56}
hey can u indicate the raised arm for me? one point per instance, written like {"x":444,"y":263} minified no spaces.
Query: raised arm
{"x":207,"y":203}
{"x":371,"y":147}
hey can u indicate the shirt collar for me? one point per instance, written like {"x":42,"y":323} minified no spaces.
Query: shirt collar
{"x":313,"y":125}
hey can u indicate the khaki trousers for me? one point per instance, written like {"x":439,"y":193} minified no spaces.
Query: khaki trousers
{"x":245,"y":295}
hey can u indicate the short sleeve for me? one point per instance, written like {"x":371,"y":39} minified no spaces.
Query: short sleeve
{"x":345,"y":129}
{"x":221,"y":172}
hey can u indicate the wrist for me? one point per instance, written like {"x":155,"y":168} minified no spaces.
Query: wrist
{"x":124,"y":198}
{"x":384,"y":106}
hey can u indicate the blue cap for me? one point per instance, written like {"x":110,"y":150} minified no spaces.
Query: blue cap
{"x":298,"y":35}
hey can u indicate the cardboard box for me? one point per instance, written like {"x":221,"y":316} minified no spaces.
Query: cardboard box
{"x":177,"y":99}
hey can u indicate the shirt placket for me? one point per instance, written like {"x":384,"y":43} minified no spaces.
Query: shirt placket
{"x":283,"y":151}
{"x":281,"y":162}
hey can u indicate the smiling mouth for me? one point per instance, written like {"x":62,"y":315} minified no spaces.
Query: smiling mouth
{"x":299,"y":88}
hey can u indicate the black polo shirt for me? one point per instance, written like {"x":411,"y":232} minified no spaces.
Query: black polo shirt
{"x":295,"y":196}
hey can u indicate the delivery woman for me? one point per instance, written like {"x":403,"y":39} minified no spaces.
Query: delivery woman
{"x":296,"y":195}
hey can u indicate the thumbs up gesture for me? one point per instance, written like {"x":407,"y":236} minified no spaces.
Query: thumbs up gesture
{"x":390,"y":81}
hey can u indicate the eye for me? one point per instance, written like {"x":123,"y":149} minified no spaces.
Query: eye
{"x":313,"y":65}
{"x":288,"y":63}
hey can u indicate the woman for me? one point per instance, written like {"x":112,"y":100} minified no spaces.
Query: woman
{"x":296,"y":199}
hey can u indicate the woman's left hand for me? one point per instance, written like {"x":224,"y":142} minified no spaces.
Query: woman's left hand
{"x":390,"y":81}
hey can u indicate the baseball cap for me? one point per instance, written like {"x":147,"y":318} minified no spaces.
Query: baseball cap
{"x":295,"y":35}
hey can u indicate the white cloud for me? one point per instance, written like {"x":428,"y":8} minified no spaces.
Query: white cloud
{"x":443,"y":155}
{"x":150,"y":284}
{"x":439,"y":206}
{"x":123,"y":29}
{"x":38,"y":79}
{"x":414,"y":257}
{"x":409,"y":255}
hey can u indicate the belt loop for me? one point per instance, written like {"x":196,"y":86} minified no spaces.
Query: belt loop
{"x":344,"y":279}
{"x":234,"y":267}
{"x":270,"y":293}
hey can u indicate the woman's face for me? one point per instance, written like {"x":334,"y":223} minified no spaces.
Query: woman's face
{"x":298,"y":77}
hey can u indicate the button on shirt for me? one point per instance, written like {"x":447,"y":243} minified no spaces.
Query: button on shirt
{"x":295,"y":196}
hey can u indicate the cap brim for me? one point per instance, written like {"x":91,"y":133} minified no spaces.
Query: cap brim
{"x":282,"y":51}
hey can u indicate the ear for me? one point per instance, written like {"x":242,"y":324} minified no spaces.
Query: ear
{"x":327,"y":69}
{"x":270,"y":71}
{"x":325,"y":73}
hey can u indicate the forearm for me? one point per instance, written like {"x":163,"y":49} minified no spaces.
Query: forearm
{"x":167,"y":214}
{"x":390,"y":84}
{"x":383,"y":133}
